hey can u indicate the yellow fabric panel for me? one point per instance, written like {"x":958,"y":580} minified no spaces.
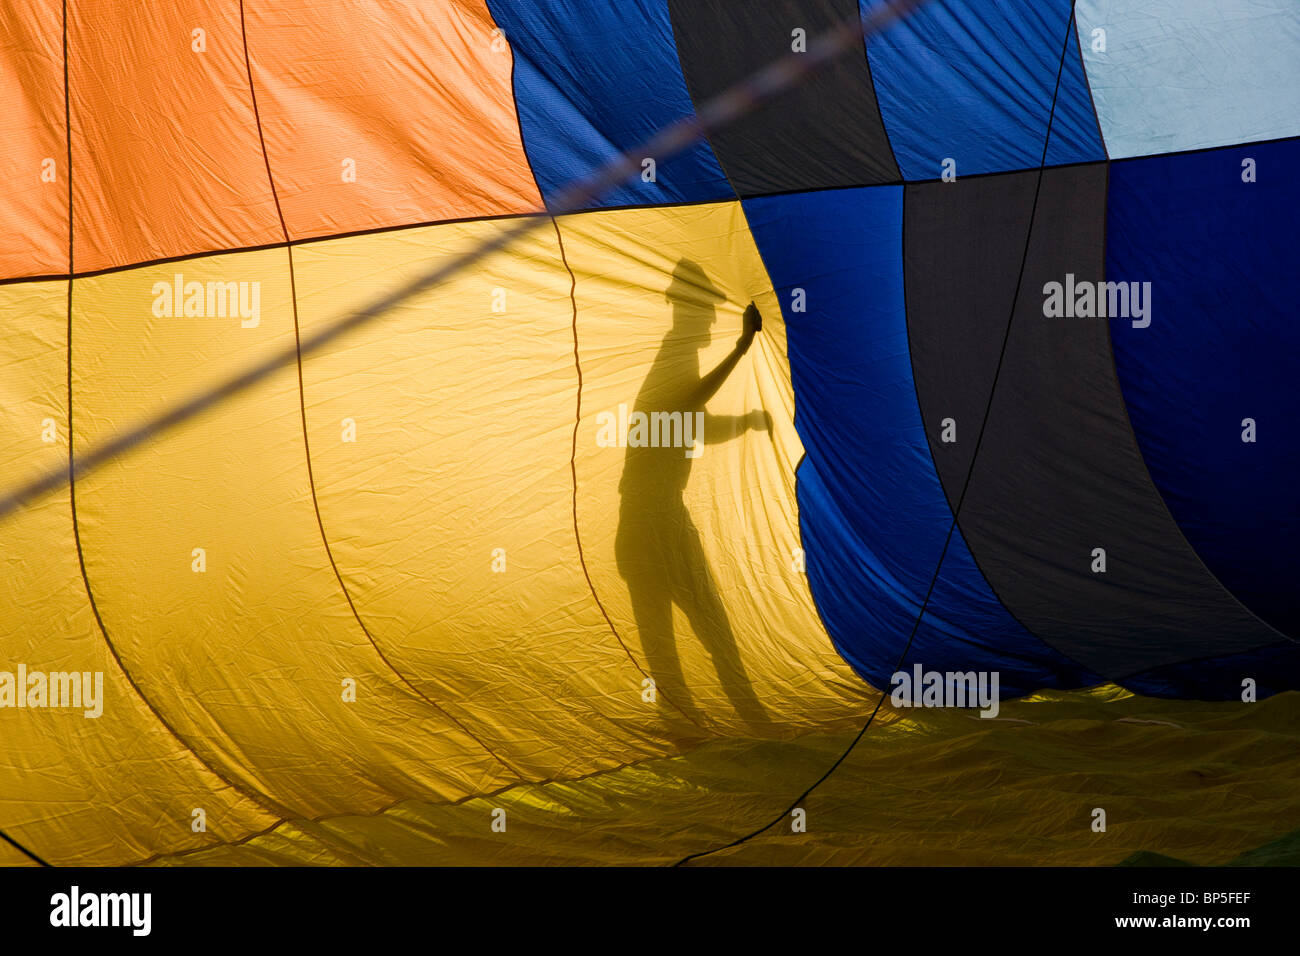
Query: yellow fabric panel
{"x":480,"y":655}
{"x":464,"y":423}
{"x":246,"y":658}
{"x":77,"y":789}
{"x":697,"y":556}
{"x":1197,"y":781}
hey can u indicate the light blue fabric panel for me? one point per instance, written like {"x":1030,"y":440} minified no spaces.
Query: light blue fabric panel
{"x":1188,"y":74}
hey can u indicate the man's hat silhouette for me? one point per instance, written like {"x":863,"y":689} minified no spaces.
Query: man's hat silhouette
{"x":690,"y":284}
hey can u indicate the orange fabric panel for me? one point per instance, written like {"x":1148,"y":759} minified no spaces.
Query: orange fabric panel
{"x":415,"y":94}
{"x":166,"y":159}
{"x":34,"y":201}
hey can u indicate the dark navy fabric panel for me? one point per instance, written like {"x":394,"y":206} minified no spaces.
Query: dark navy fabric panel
{"x":824,"y":132}
{"x":593,"y":79}
{"x":873,"y":514}
{"x":972,"y":80}
{"x":1058,"y":473}
{"x":1223,"y":346}
{"x":1274,"y":669}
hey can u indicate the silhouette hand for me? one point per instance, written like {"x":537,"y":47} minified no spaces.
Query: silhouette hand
{"x":753,"y":323}
{"x":760,"y":420}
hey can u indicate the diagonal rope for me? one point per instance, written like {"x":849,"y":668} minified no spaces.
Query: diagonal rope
{"x":736,"y":101}
{"x":22,"y":849}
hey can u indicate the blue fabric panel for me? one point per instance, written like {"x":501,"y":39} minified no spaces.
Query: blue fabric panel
{"x":973,"y":81}
{"x":1222,"y":346}
{"x":593,"y":79}
{"x":1190,"y":74}
{"x":873,"y":515}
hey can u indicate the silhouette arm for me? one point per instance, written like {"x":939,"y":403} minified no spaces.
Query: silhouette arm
{"x":723,"y":428}
{"x":710,"y":383}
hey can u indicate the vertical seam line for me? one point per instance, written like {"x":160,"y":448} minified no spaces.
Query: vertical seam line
{"x":263,"y":800}
{"x":302,"y":408}
{"x":573,"y":467}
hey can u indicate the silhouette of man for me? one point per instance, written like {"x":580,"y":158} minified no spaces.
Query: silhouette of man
{"x":657,"y":546}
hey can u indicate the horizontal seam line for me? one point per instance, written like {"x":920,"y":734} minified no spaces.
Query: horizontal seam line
{"x":379,"y":230}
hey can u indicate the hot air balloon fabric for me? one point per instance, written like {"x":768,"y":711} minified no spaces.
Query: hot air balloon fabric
{"x":568,"y":559}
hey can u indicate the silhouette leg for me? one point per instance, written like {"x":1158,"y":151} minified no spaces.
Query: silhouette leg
{"x":653,"y":610}
{"x":697,"y":594}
